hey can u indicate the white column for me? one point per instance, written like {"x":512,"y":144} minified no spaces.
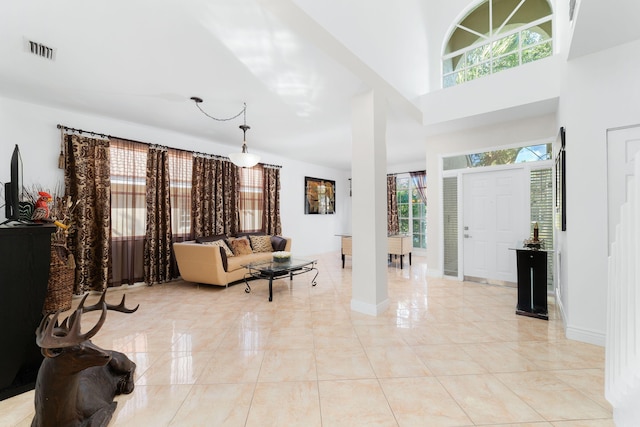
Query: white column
{"x":369,"y":204}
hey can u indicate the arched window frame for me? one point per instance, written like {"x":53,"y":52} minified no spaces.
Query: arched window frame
{"x":482,"y":47}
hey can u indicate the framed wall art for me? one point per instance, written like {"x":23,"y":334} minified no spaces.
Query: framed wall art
{"x":319,"y":196}
{"x":561,"y":182}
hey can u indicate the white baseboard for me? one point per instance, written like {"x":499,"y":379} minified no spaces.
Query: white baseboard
{"x":579,"y":334}
{"x":370,"y":309}
{"x":585,"y":335}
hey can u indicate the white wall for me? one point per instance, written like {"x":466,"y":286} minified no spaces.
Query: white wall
{"x":600,"y":91}
{"x":33,"y":128}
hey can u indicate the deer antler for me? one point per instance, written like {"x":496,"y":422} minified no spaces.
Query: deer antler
{"x":52,"y":335}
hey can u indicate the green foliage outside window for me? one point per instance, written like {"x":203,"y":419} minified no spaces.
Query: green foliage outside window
{"x":519,"y":33}
{"x":412,"y":212}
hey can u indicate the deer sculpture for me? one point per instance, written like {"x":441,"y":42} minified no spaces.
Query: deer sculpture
{"x":78,"y":380}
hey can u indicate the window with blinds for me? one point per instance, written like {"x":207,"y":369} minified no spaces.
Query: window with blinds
{"x":450,"y":212}
{"x":541,"y":186}
{"x":251,"y":199}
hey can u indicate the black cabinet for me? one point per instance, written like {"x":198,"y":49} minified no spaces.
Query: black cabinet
{"x":25,"y":252}
{"x":532,"y":283}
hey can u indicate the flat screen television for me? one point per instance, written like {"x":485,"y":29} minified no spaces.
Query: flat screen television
{"x":13,"y":188}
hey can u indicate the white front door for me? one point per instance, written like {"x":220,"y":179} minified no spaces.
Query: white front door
{"x":495,"y":219}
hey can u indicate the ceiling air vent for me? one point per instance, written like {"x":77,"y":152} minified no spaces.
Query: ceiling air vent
{"x":40,"y":50}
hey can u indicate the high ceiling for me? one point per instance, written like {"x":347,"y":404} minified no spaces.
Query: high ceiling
{"x":297,"y":65}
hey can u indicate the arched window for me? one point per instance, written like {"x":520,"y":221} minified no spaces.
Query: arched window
{"x":495,"y":36}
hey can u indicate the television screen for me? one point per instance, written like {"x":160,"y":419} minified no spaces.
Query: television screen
{"x":13,"y":188}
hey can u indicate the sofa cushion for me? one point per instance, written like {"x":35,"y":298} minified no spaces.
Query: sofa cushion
{"x":278,"y":243}
{"x":222,"y":244}
{"x":237,"y":262}
{"x":211,"y":238}
{"x":261,"y":243}
{"x":240,"y":246}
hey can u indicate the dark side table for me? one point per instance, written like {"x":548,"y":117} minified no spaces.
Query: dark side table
{"x":532,"y":283}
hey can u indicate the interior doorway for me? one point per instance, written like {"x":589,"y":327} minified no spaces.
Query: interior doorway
{"x":495,"y":220}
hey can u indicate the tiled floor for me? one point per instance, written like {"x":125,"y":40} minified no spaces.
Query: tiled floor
{"x":444,"y":354}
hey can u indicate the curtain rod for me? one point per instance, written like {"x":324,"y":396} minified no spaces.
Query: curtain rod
{"x":102,"y":135}
{"x":401,"y":173}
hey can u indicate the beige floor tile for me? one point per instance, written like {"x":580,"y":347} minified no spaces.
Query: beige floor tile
{"x":521,"y":425}
{"x":343,"y":363}
{"x":378,"y":335}
{"x":584,"y":423}
{"x":588,"y":381}
{"x":448,"y":359}
{"x":154,"y":405}
{"x":215,"y":405}
{"x":245,"y":338}
{"x":499,"y":357}
{"x":430,"y":333}
{"x":288,"y":365}
{"x":232,"y":366}
{"x":354,"y":403}
{"x":290,"y":337}
{"x":200,"y":339}
{"x":551,"y":397}
{"x":486,"y":400}
{"x":464,"y":332}
{"x":175,"y":368}
{"x":562,"y":354}
{"x":395,"y":362}
{"x":17,"y":409}
{"x":288,"y":404}
{"x":422,"y":402}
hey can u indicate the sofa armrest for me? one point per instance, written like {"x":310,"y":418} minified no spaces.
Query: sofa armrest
{"x":200,"y":263}
{"x":280,"y":243}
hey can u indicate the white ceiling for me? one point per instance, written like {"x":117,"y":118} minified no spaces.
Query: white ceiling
{"x":141,"y":61}
{"x":296,"y":63}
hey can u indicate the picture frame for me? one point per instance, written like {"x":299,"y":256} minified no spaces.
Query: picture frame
{"x":319,"y":196}
{"x":561,"y":182}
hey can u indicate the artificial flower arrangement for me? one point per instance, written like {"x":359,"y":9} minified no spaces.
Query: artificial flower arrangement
{"x":281,"y":256}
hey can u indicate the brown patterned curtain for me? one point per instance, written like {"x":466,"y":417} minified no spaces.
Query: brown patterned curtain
{"x":271,"y":192}
{"x":158,"y":238}
{"x":214,"y":197}
{"x":87,"y":180}
{"x":393,"y":226}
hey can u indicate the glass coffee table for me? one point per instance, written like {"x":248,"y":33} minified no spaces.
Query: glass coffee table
{"x":271,"y":270}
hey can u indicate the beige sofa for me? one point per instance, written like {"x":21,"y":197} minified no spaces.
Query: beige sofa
{"x":204,"y":263}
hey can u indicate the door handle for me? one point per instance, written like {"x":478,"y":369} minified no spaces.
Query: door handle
{"x":466,"y":236}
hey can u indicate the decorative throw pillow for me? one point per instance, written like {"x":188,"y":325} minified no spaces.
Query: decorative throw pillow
{"x":220,"y":243}
{"x":240,"y":246}
{"x":261,"y":243}
{"x":279,"y":243}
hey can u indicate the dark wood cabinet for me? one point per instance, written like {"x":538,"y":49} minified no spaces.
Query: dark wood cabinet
{"x":532,"y":283}
{"x":25,"y":252}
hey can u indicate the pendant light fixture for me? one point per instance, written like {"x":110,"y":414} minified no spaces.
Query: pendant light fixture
{"x":243,"y":159}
